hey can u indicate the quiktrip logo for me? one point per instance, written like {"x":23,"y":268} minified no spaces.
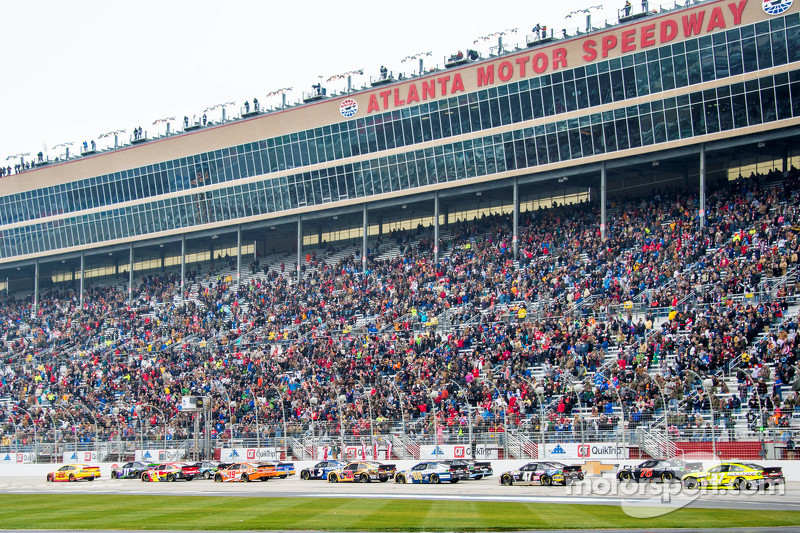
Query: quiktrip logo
{"x":776,"y":7}
{"x":348,"y":108}
{"x":251,"y":454}
{"x":584,"y":450}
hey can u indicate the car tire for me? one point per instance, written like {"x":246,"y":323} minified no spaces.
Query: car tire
{"x":170,"y":477}
{"x":625,"y":476}
{"x":245,"y":478}
{"x":453,"y":480}
{"x":547,"y":481}
{"x":283,"y":476}
{"x":507,"y":480}
{"x":305,"y":475}
{"x":435,"y":478}
{"x":72,"y":477}
{"x":691,"y":483}
{"x":90,"y":479}
{"x":667,"y":477}
{"x":333,"y":478}
{"x":739,"y":484}
{"x":189,"y":478}
{"x":207,"y":474}
{"x":363,"y":478}
{"x":400,"y":478}
{"x":145,"y":477}
{"x":49,"y":478}
{"x":479,"y":476}
{"x":218,"y":478}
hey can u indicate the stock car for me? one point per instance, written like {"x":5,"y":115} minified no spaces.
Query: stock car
{"x":432,"y":472}
{"x":735,"y":475}
{"x":246,"y":472}
{"x":129,"y":470}
{"x":543,"y":473}
{"x":321,"y":469}
{"x":477,"y":469}
{"x":664,"y":470}
{"x":170,"y":472}
{"x":363,"y":472}
{"x":75,"y":472}
{"x":285,"y":469}
{"x":207,"y":469}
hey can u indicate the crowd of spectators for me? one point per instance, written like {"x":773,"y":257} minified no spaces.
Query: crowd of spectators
{"x":579,"y":335}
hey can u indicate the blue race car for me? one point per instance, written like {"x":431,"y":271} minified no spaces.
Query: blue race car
{"x":322,"y":469}
{"x":286,"y":469}
{"x":432,"y":472}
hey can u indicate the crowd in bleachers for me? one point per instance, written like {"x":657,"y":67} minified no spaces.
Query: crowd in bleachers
{"x":579,"y":335}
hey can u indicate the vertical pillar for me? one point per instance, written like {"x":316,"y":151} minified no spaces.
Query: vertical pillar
{"x":183,"y":267}
{"x":299,"y":245}
{"x":83,"y":275}
{"x":785,"y":161}
{"x":436,"y":227}
{"x":516,"y":220}
{"x":163,"y":260}
{"x":238,"y":255}
{"x":35,"y":289}
{"x":702,"y":212}
{"x":364,"y":241}
{"x":603,"y":201}
{"x":380,"y":226}
{"x":130,"y":276}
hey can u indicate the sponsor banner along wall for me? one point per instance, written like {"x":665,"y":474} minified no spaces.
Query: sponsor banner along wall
{"x":484,"y":452}
{"x":17,"y":458}
{"x":80,"y":457}
{"x":157,"y":456}
{"x":585,"y":450}
{"x":444,"y":451}
{"x":234,"y":455}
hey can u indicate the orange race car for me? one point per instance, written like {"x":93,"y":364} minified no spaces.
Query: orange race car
{"x":247,"y":472}
{"x":75,"y":473}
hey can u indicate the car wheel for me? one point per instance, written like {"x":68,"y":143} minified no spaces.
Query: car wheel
{"x":207,"y":474}
{"x":170,"y":477}
{"x":625,"y":476}
{"x":72,"y":477}
{"x":363,"y":478}
{"x":691,"y":483}
{"x":144,"y":477}
{"x":667,"y":477}
{"x":479,"y":476}
{"x":453,"y":480}
{"x":547,"y":481}
{"x":435,"y":478}
{"x":506,"y":479}
{"x":218,"y":478}
{"x":50,"y":478}
{"x":333,"y":478}
{"x":400,"y":478}
{"x":739,"y":484}
{"x":90,"y":479}
{"x":304,"y":475}
{"x":245,"y":478}
{"x":189,"y":478}
{"x":283,"y":476}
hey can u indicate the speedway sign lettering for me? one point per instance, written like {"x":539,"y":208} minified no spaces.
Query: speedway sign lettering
{"x":17,"y":458}
{"x":652,"y":32}
{"x":233,"y":455}
{"x":585,"y":450}
{"x":444,"y":451}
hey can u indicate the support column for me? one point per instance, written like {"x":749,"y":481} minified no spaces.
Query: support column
{"x":163,"y":259}
{"x":183,"y":268}
{"x":436,"y":227}
{"x":35,"y":289}
{"x":238,"y":256}
{"x":299,"y":245}
{"x":516,"y":219}
{"x":702,"y":206}
{"x":130,"y":276}
{"x":83,"y":275}
{"x":364,"y":241}
{"x":603,"y":201}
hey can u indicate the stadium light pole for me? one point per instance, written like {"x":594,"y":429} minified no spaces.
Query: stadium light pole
{"x":341,"y":400}
{"x":432,"y":396}
{"x":708,"y":385}
{"x":55,"y":433}
{"x":463,"y":392}
{"x":94,"y":419}
{"x":217,"y":383}
{"x":74,"y":429}
{"x":139,"y":414}
{"x":402,"y":406}
{"x":369,"y":404}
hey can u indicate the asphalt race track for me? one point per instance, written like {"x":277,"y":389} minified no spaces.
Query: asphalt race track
{"x":591,"y":491}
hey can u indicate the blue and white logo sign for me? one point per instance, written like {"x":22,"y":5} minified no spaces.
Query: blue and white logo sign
{"x":776,"y":7}
{"x":348,"y":108}
{"x":558,"y":449}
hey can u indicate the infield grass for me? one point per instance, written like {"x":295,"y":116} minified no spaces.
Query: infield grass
{"x":68,"y":511}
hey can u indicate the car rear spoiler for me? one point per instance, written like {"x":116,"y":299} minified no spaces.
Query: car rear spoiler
{"x":387,"y":467}
{"x":483,"y":463}
{"x":773,"y":471}
{"x":572,"y":468}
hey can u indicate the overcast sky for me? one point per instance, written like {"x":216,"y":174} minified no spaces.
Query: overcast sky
{"x":73,"y":70}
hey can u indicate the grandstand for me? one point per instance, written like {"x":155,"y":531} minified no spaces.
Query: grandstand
{"x":585,"y":240}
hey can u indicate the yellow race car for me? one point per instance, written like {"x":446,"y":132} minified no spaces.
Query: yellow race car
{"x":363,"y":472}
{"x":735,"y":475}
{"x":75,"y":472}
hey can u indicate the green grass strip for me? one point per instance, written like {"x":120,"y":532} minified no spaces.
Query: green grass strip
{"x":78,"y":511}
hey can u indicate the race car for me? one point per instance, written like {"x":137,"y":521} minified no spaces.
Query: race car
{"x":477,"y":469}
{"x":246,"y":472}
{"x":129,"y":470}
{"x":286,"y":469}
{"x":543,"y":473}
{"x":735,"y":475}
{"x":170,"y":472}
{"x":664,"y":470}
{"x":75,"y":472}
{"x":207,"y":469}
{"x":432,"y":472}
{"x":363,"y":472}
{"x":321,"y":469}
